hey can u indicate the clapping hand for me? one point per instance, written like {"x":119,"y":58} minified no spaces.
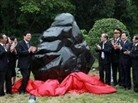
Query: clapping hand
{"x":98,"y":46}
{"x":116,"y":46}
{"x":32,"y":49}
{"x":127,"y":52}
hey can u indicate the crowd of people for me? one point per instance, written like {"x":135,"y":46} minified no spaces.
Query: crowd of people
{"x":118,"y":59}
{"x":10,"y":50}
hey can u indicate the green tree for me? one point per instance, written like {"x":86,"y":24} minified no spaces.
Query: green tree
{"x":131,"y":17}
{"x":17,"y":16}
{"x":87,"y":11}
{"x":8,"y":16}
{"x":40,"y":14}
{"x":120,"y":9}
{"x":135,"y":2}
{"x":103,"y":26}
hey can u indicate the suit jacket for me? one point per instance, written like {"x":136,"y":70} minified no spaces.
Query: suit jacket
{"x":125,"y":47}
{"x":24,"y":57}
{"x":134,"y":56}
{"x":3,"y":59}
{"x":107,"y":53}
{"x":115,"y":53}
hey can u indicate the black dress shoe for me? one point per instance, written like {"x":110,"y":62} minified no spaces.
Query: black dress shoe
{"x":3,"y":94}
{"x":9,"y":92}
{"x":128,"y":88}
{"x":22,"y":92}
{"x":135,"y":90}
{"x":114,"y":84}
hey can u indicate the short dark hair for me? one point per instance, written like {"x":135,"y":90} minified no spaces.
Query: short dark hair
{"x":136,"y":36}
{"x":127,"y":34}
{"x":1,"y":35}
{"x":118,"y":29}
{"x":12,"y":37}
{"x":25,"y":33}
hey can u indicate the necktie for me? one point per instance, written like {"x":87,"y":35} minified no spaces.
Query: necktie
{"x":28,"y":45}
{"x":116,"y":40}
{"x":123,"y":43}
{"x":133,"y":47}
{"x":102,"y":54}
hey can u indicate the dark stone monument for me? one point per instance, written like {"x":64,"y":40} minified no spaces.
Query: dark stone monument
{"x":62,"y":50}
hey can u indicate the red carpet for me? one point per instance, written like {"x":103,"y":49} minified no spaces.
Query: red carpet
{"x":77,"y":81}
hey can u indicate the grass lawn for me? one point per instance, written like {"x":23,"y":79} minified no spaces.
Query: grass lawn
{"x":121,"y":96}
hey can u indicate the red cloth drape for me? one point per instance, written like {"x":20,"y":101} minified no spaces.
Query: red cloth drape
{"x":77,"y":81}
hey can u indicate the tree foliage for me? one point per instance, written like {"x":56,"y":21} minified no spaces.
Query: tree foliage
{"x":43,"y":12}
{"x":31,"y":15}
{"x":106,"y":25}
{"x":131,"y":17}
{"x":120,"y":9}
{"x":9,"y":13}
{"x":17,"y":16}
{"x":87,"y":11}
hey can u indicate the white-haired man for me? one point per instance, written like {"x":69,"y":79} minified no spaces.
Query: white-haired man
{"x":104,"y":49}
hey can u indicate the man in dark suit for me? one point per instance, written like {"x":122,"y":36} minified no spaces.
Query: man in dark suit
{"x":25,"y":52}
{"x":134,"y":57}
{"x":3,"y":62}
{"x":116,"y":56}
{"x":104,"y":49}
{"x":125,"y":62}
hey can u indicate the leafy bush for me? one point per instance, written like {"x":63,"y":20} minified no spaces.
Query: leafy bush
{"x":105,"y":25}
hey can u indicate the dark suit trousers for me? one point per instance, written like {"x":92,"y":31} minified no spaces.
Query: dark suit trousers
{"x":25,"y":74}
{"x":115,"y":69}
{"x":105,"y":73}
{"x":8,"y":82}
{"x":2,"y":79}
{"x":125,"y":74}
{"x":135,"y":78}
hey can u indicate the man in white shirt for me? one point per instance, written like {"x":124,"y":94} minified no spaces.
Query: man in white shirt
{"x":104,"y":49}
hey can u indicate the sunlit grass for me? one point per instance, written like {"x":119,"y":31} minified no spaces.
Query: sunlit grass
{"x":121,"y":96}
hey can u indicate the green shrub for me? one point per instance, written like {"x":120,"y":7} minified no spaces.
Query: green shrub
{"x":105,"y":25}
{"x":85,"y":35}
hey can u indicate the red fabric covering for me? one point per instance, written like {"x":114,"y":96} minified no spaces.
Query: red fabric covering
{"x":77,"y":81}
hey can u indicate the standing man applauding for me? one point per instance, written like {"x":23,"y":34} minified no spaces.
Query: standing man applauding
{"x":115,"y":57}
{"x":133,"y":53}
{"x":104,"y":49}
{"x":3,"y":62}
{"x":25,"y":52}
{"x":125,"y":62}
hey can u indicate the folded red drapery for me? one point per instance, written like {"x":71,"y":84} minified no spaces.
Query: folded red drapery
{"x":77,"y":81}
